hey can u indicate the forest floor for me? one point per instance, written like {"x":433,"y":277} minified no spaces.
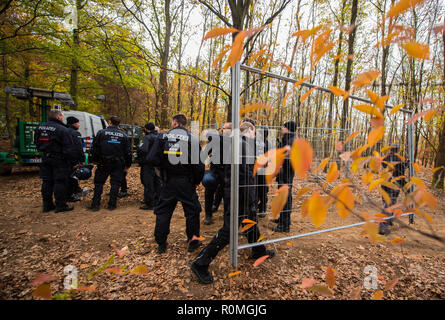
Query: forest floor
{"x":32,"y":243}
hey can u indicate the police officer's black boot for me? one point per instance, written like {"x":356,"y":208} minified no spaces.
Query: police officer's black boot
{"x":48,"y":206}
{"x":201,"y":263}
{"x":208,"y":219}
{"x":94,"y":206}
{"x":162,"y":248}
{"x":64,"y":208}
{"x":193,"y":245}
{"x":260,"y":251}
{"x":202,"y":273}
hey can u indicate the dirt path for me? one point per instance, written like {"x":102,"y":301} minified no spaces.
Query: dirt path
{"x":32,"y":242}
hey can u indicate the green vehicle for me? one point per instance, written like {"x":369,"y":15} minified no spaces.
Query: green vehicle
{"x":133,"y":131}
{"x":25,"y":152}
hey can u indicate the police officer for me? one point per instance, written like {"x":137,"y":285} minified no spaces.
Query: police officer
{"x":149,"y":178}
{"x":73,"y":184}
{"x":56,"y":143}
{"x":263,"y":188}
{"x":112,"y":153}
{"x":246,"y":208}
{"x":286,"y":177}
{"x":398,"y":168}
{"x":177,"y":153}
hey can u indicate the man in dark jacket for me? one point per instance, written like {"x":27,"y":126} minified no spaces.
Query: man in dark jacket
{"x":149,"y":178}
{"x":56,"y":143}
{"x":112,"y":153}
{"x":246,"y":208}
{"x":177,"y":153}
{"x":286,"y":177}
{"x":73,"y":184}
{"x":393,"y":160}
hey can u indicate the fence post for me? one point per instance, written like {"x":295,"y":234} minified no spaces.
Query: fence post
{"x":234,"y":184}
{"x":411,"y":160}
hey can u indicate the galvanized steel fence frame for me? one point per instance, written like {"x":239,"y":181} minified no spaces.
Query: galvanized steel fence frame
{"x":234,"y":192}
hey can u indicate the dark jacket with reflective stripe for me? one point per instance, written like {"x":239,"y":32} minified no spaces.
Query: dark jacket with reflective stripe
{"x":111,"y":144}
{"x":78,"y":144}
{"x":178,"y":153}
{"x":145,"y":146}
{"x":54,"y":139}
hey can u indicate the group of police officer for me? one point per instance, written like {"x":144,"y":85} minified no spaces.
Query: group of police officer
{"x":166,"y":179}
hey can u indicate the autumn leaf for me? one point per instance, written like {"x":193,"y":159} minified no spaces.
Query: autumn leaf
{"x":275,"y":161}
{"x":218,"y":31}
{"x":378,"y":295}
{"x":337,"y":91}
{"x":391,"y":284}
{"x":301,"y":156}
{"x":304,"y":97}
{"x":197,"y":238}
{"x":113,"y":270}
{"x":333,"y":173}
{"x":375,"y":135}
{"x":416,"y":167}
{"x":396,"y":108}
{"x":42,"y":291}
{"x":248,"y":226}
{"x":300,"y":81}
{"x":397,"y":240}
{"x":237,"y":49}
{"x":330,"y":277}
{"x":323,"y":290}
{"x":256,"y":55}
{"x":141,"y":269}
{"x":260,"y":260}
{"x":43,"y":278}
{"x":365,"y":78}
{"x":401,"y":7}
{"x":366,"y":108}
{"x":120,"y":253}
{"x":224,"y":50}
{"x":416,"y":50}
{"x":232,"y":274}
{"x":355,"y":294}
{"x":86,"y":288}
{"x":279,"y":201}
{"x":255,"y":107}
{"x":307,"y":283}
{"x":317,"y":209}
{"x":345,"y":203}
{"x":322,"y":164}
{"x":248,"y":221}
{"x":352,"y":136}
{"x":304,"y":34}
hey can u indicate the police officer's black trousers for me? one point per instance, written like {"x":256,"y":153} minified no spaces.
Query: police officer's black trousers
{"x":284,"y":219}
{"x":262,"y":191}
{"x":124,"y":186}
{"x":113,"y":169}
{"x":152,"y":185}
{"x":176,"y":189}
{"x":213,"y":197}
{"x":54,"y":174}
{"x":222,"y":237}
{"x":73,"y":185}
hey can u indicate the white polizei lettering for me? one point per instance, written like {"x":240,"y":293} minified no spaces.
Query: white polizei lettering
{"x":47,"y":128}
{"x":116,"y":134}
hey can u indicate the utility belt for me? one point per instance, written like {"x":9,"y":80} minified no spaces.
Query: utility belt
{"x":110,"y":159}
{"x":51,"y":155}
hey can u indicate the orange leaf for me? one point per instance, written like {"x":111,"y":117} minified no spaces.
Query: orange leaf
{"x":42,"y":291}
{"x":234,"y":273}
{"x":396,"y":108}
{"x":317,"y":209}
{"x":365,"y":78}
{"x":338,"y":92}
{"x":323,"y":290}
{"x":304,"y":34}
{"x":416,"y":50}
{"x":279,"y":201}
{"x":375,"y":135}
{"x":402,"y":6}
{"x":366,"y":108}
{"x":224,"y":50}
{"x":255,"y":107}
{"x":397,"y":240}
{"x":237,"y":48}
{"x":352,"y":136}
{"x":304,"y":97}
{"x":218,"y":31}
{"x":260,"y":261}
{"x":322,"y":164}
{"x":300,"y":81}
{"x":333,"y":173}
{"x":255,"y":56}
{"x":113,"y":270}
{"x":345,"y":203}
{"x":43,"y":278}
{"x":330,"y":277}
{"x":276,"y":159}
{"x":301,"y":157}
{"x":378,"y":295}
{"x":197,"y":238}
{"x":248,"y":226}
{"x":248,"y":221}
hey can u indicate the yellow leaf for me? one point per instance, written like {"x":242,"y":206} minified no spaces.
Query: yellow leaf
{"x":255,"y":56}
{"x":224,"y":50}
{"x":218,"y":31}
{"x":317,"y":209}
{"x":396,"y":108}
{"x":365,"y":78}
{"x":304,"y":208}
{"x":141,"y":269}
{"x":279,"y":201}
{"x":276,"y":159}
{"x":304,"y":34}
{"x":416,"y":167}
{"x":402,"y":6}
{"x":337,"y":91}
{"x":375,"y":183}
{"x":42,"y":291}
{"x":367,"y":177}
{"x":301,"y":156}
{"x":375,"y":135}
{"x":260,"y":238}
{"x":300,"y":81}
{"x":255,"y":107}
{"x":345,"y":202}
{"x":322,"y":164}
{"x":416,"y":50}
{"x":437,"y":169}
{"x":385,"y":196}
{"x":366,"y":108}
